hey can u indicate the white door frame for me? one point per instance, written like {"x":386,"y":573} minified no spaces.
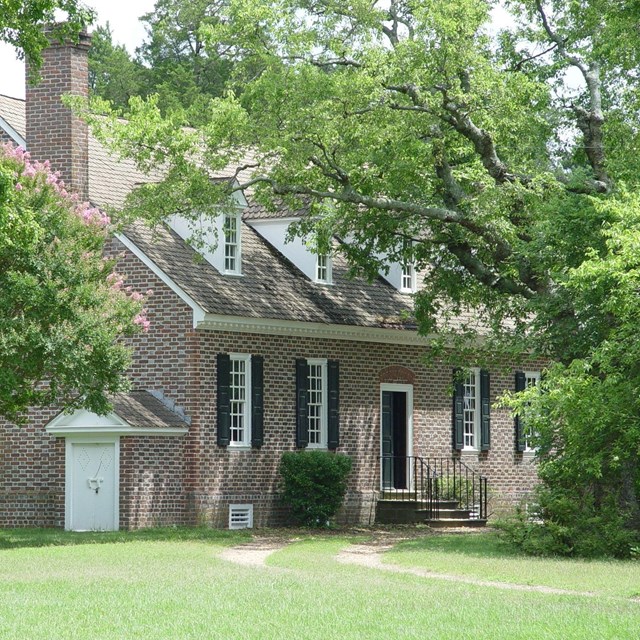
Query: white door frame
{"x":69,"y":479}
{"x":408,"y":390}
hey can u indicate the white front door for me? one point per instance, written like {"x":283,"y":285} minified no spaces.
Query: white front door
{"x":92,"y":486}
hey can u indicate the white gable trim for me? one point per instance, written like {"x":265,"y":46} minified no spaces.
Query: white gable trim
{"x":198,"y":311}
{"x":269,"y":326}
{"x":12,"y":133}
{"x":86,"y":423}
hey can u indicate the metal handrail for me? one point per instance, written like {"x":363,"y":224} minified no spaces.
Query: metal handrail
{"x":434,"y":481}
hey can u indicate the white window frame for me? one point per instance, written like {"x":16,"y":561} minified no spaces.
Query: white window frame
{"x":324,"y":403}
{"x":529,"y":376}
{"x":237,"y":244}
{"x":407,"y":278}
{"x":327,"y":267}
{"x":475,"y":432}
{"x":246,"y":409}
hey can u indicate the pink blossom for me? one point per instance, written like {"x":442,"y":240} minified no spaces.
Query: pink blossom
{"x":18,"y":186}
{"x":136,"y":296}
{"x":142,"y":320}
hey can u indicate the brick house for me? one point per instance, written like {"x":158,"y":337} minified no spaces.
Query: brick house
{"x":259,"y":348}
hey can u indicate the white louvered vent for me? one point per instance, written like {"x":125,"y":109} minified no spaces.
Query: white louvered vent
{"x":240,"y":516}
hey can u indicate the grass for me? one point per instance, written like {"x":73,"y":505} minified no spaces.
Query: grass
{"x":485,"y":556}
{"x":173,"y":584}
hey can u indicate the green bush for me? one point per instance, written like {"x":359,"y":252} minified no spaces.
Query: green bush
{"x":314,"y":485}
{"x":576,"y":525}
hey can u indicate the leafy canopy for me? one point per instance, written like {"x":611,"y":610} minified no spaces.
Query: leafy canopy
{"x":21,"y":24}
{"x":63,"y":310}
{"x":503,"y":163}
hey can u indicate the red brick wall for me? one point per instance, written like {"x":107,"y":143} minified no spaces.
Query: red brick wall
{"x":228,"y":476}
{"x":53,"y":132}
{"x":31,"y":474}
{"x":191,"y":480}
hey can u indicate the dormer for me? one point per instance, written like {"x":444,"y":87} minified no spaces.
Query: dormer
{"x":402,"y":275}
{"x":316,"y":266}
{"x":218,"y":240}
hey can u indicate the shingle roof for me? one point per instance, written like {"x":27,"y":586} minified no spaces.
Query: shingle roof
{"x":271,"y":286}
{"x":12,"y":110}
{"x":142,"y":410}
{"x":110,"y":179}
{"x":257,"y":211}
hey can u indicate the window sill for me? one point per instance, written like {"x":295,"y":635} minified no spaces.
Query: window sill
{"x":239,"y":447}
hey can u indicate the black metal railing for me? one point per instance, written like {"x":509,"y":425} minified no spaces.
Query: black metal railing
{"x":437,"y":483}
{"x":403,"y":478}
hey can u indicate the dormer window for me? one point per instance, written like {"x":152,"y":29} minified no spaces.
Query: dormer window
{"x":408,"y":279}
{"x":323,"y":268}
{"x":232,"y":243}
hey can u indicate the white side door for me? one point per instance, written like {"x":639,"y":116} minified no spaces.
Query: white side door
{"x":92,"y":486}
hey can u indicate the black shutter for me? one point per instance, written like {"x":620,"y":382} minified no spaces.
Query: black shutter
{"x":257,"y":401}
{"x":224,"y":409}
{"x":485,"y":412}
{"x":520,"y":386}
{"x":302,"y":421}
{"x":458,"y":411}
{"x":387,"y":440}
{"x":333,"y":383}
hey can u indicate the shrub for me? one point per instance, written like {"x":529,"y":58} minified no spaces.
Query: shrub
{"x":314,"y":485}
{"x":570,"y":525}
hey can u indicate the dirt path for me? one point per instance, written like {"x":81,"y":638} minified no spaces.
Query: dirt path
{"x":369,"y":554}
{"x":254,"y":553}
{"x":365,"y":555}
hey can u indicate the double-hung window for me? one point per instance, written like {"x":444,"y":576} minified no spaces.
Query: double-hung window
{"x":317,"y":403}
{"x":231,"y":230}
{"x":471,"y":410}
{"x":240,"y":400}
{"x":323,"y":268}
{"x":317,"y":400}
{"x":524,"y":433}
{"x":408,"y":278}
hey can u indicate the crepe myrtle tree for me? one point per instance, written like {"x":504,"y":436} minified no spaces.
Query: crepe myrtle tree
{"x":64,"y":311}
{"x":497,"y":160}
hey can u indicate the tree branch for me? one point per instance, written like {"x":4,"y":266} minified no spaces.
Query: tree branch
{"x":590,"y":120}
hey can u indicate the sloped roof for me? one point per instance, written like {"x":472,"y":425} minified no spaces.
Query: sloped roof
{"x":110,"y":178}
{"x":143,"y":410}
{"x":258,"y":211}
{"x":271,"y":286}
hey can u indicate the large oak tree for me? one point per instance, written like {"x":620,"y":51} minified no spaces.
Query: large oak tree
{"x":502,"y":161}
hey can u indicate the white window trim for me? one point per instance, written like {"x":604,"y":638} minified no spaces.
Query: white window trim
{"x":324,"y":415}
{"x":528,"y":375}
{"x":329,"y":269}
{"x":238,"y":244}
{"x":246,"y":442}
{"x":476,"y":417}
{"x":410,"y":270}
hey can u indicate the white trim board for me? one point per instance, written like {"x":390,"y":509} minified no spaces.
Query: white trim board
{"x":198,"y":311}
{"x":12,"y":133}
{"x":239,"y":324}
{"x":85,"y":423}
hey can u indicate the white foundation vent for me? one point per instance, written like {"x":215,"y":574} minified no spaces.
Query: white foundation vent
{"x":240,"y":516}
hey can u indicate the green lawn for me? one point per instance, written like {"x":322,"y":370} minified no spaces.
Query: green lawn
{"x":486,"y":557}
{"x":174,"y":585}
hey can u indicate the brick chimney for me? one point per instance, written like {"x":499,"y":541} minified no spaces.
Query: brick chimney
{"x":53,"y":132}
